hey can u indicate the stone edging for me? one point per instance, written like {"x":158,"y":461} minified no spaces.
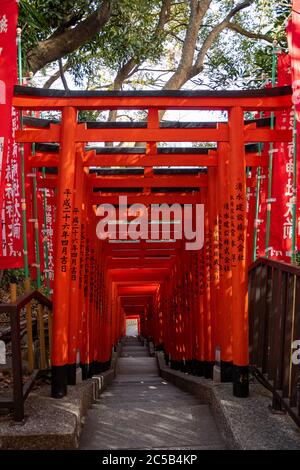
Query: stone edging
{"x":52,"y":424}
{"x":244,"y":423}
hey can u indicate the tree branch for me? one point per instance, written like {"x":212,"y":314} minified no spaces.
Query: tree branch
{"x":51,"y":80}
{"x":198,"y":11}
{"x":70,"y":39}
{"x":198,"y":66}
{"x":132,"y":65}
{"x":56,"y":75}
{"x":244,"y":32}
{"x":62,"y":75}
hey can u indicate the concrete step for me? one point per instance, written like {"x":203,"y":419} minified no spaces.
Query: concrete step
{"x":140,"y":410}
{"x":148,"y":427}
{"x":132,"y":344}
{"x":151,"y":399}
{"x":133,"y":378}
{"x":134,"y":347}
{"x":134,"y":354}
{"x":139,"y":361}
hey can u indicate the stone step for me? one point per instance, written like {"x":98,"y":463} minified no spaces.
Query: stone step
{"x":148,"y":426}
{"x":139,"y":361}
{"x":151,"y":400}
{"x":135,"y":348}
{"x":140,"y":410}
{"x":134,"y":354}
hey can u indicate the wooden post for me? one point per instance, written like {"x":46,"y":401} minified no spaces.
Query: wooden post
{"x":82,"y":313}
{"x":13,"y":292}
{"x":213,"y":257}
{"x":76,"y":220}
{"x":50,"y":333}
{"x":61,"y":299}
{"x":41,"y":330}
{"x":225,"y":286}
{"x":238,"y":252}
{"x":30,"y":357}
{"x":207,"y":323}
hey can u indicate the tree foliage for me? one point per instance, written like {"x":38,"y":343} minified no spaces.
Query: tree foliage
{"x":171,"y":44}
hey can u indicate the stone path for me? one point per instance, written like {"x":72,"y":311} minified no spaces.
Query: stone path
{"x":142,"y":411}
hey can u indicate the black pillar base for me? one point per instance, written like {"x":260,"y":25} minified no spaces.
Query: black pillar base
{"x":182,"y":366}
{"x":199,"y":368}
{"x":194,"y":367}
{"x":98,"y":367}
{"x":190,"y":367}
{"x":85,"y":371}
{"x":91,"y":370}
{"x":167,"y":359}
{"x":59,"y":381}
{"x":175,"y":365}
{"x":208,"y":369}
{"x":226,"y":371}
{"x":241,"y":381}
{"x":71,"y":374}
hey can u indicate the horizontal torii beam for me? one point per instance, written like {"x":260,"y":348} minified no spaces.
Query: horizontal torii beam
{"x":41,"y":99}
{"x":134,"y":290}
{"x":156,"y":181}
{"x":146,"y":253}
{"x":145,"y":244}
{"x":138,"y":274}
{"x":50,"y":160}
{"x":152,"y":135}
{"x":163,"y":198}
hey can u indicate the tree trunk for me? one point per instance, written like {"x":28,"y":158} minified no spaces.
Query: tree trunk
{"x":59,"y":45}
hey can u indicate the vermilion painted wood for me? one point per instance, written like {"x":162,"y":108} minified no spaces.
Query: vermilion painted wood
{"x":225,"y":287}
{"x":160,"y":181}
{"x":124,"y":160}
{"x":207,"y":317}
{"x":75,"y":291}
{"x":41,"y":103}
{"x":174,"y":323}
{"x":61,"y":300}
{"x":154,"y":135}
{"x":139,"y":263}
{"x":213,"y":256}
{"x":239,"y":268}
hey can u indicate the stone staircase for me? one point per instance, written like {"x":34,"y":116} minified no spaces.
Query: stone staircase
{"x":142,"y":411}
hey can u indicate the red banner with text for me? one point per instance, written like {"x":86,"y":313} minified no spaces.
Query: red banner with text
{"x":293,"y":31}
{"x":281,"y":228}
{"x":11,"y":249}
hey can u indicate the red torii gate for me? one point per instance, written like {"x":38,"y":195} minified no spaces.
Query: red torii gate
{"x":201,"y":297}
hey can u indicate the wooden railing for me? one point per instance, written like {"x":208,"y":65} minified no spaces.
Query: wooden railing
{"x":274,"y":316}
{"x":32,"y":328}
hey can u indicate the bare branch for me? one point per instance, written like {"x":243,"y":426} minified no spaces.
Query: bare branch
{"x":132,"y":65}
{"x":62,"y":75}
{"x":198,"y":11}
{"x":198,"y":66}
{"x":56,"y":75}
{"x":244,"y":32}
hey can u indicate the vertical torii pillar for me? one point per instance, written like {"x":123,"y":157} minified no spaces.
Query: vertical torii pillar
{"x":225,"y":286}
{"x":61,"y":300}
{"x":75,"y":292}
{"x":237,"y":196}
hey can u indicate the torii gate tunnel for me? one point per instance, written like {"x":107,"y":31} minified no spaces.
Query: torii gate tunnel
{"x":190,"y":303}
